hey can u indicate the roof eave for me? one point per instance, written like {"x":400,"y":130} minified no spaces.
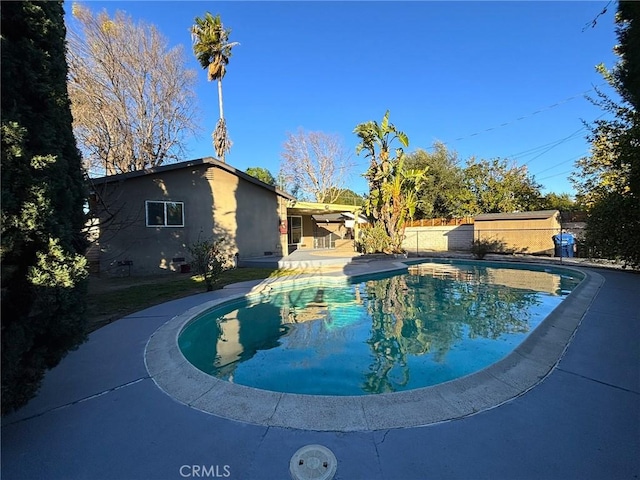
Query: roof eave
{"x":190,"y":163}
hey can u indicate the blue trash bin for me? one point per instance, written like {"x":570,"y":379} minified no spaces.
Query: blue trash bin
{"x":564,"y":244}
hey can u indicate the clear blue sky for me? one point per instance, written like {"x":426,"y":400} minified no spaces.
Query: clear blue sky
{"x":469,"y":74}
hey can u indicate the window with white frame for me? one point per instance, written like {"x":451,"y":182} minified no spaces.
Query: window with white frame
{"x":164,"y":214}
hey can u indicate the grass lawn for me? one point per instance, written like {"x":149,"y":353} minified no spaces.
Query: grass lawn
{"x":109,"y":299}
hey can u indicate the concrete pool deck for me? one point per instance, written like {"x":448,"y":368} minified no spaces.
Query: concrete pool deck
{"x":100,"y":414}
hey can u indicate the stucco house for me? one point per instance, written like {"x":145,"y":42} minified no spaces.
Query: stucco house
{"x":149,"y":218}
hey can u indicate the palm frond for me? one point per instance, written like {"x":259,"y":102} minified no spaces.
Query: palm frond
{"x":211,"y":45}
{"x":221,"y":141}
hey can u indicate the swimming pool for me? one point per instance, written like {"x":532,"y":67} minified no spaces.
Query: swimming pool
{"x":520,"y":371}
{"x":434,"y":323}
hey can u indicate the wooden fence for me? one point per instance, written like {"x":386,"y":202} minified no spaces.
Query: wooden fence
{"x":440,"y":222}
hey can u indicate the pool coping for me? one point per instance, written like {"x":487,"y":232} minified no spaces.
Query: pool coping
{"x":520,"y":371}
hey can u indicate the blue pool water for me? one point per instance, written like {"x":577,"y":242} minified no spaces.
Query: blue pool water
{"x":438,"y":322}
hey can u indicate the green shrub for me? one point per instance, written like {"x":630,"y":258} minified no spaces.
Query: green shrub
{"x":374,"y":239}
{"x":209,"y":259}
{"x":613,"y":230}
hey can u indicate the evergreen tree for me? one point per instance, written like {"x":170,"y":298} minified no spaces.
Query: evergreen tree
{"x":262,"y":174}
{"x":608,"y":181}
{"x":43,"y":270}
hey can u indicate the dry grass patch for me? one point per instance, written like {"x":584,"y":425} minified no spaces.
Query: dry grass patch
{"x":109,"y":299}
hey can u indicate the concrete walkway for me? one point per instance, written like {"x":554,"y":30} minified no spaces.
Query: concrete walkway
{"x":99,"y":414}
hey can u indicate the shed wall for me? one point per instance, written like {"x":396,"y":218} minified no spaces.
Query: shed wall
{"x":532,"y":236}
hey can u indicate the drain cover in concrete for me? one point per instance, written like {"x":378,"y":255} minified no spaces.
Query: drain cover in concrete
{"x":313,"y":462}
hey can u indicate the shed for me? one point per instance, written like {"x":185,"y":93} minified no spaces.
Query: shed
{"x":520,"y":232}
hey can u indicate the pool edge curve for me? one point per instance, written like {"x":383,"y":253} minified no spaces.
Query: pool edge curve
{"x":520,"y":371}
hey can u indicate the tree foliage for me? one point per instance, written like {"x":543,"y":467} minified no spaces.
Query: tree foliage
{"x":496,"y":186}
{"x":132,"y":97}
{"x":400,"y":197}
{"x":212,"y":49}
{"x":43,"y":267}
{"x":608,"y":181}
{"x":626,"y":73}
{"x":480,"y":186}
{"x":442,"y":192}
{"x":558,"y":201}
{"x":317,"y":164}
{"x":423,"y":184}
{"x":262,"y":174}
{"x":373,"y":239}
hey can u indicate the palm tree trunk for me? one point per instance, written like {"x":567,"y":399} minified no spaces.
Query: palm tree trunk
{"x":220,"y":98}
{"x":220,"y":137}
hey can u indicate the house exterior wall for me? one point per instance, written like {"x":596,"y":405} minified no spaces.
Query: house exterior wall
{"x":532,"y":236}
{"x":248,"y":214}
{"x":216,"y":203}
{"x":439,"y":239}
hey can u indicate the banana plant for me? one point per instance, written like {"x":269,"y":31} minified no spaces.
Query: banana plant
{"x":376,"y":140}
{"x":401,"y":196}
{"x":392,"y":189}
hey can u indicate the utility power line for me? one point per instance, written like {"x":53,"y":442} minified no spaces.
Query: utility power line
{"x":531,"y":151}
{"x":523,"y":117}
{"x":559,"y":142}
{"x":556,"y":175}
{"x":573,"y":159}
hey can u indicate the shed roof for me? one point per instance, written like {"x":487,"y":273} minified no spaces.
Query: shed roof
{"x":207,"y":161}
{"x":537,"y":215}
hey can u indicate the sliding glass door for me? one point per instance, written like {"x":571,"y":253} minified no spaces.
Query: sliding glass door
{"x":294,"y":230}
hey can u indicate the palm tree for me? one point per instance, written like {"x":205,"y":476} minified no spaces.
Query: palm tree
{"x":212,"y":48}
{"x":376,"y":140}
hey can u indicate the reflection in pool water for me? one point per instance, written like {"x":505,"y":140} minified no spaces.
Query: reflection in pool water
{"x":437,"y":322}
